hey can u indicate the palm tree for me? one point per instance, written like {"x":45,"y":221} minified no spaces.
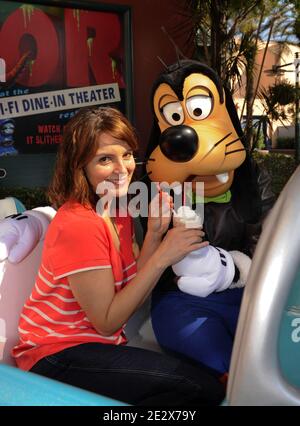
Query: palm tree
{"x":225,"y":35}
{"x":279,"y":102}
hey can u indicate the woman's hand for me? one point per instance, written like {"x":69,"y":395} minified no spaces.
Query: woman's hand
{"x":159,"y":217}
{"x":177,"y":243}
{"x":160,"y":213}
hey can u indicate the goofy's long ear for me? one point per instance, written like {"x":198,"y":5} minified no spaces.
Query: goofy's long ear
{"x":233,"y":113}
{"x":245,"y":190}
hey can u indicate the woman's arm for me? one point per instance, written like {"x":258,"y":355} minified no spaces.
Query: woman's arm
{"x":151,"y":242}
{"x":95,"y":292}
{"x":159,"y":217}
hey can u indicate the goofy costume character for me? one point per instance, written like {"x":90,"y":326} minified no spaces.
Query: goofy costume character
{"x":197,"y":136}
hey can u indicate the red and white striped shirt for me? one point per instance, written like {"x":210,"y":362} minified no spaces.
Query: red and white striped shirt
{"x":52,"y":320}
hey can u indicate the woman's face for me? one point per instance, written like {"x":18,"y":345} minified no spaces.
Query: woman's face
{"x":113,"y":163}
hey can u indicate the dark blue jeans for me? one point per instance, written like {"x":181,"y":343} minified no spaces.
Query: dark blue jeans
{"x":199,"y":328}
{"x":132,"y":375}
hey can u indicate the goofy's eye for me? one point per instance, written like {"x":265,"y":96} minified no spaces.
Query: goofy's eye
{"x":173,"y":113}
{"x":199,"y":106}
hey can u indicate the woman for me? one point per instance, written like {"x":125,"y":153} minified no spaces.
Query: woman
{"x":89,"y":283}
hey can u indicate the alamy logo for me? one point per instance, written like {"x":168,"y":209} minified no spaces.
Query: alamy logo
{"x":2,"y":71}
{"x":138,"y":204}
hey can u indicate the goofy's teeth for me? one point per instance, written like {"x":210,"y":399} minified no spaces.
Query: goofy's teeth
{"x":223,"y":177}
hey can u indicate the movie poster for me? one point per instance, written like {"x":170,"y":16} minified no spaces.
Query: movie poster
{"x":54,"y":61}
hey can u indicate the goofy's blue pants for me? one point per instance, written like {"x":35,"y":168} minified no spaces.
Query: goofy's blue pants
{"x":200,"y":328}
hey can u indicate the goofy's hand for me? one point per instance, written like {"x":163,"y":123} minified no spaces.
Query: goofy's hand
{"x":243,"y":263}
{"x":20,"y":233}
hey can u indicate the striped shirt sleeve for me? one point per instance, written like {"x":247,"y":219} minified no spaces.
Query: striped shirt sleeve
{"x":79,"y":246}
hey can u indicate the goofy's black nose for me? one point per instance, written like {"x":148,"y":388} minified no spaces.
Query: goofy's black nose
{"x":179,"y":143}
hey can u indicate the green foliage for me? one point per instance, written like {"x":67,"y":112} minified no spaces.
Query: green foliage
{"x":260,"y":140}
{"x":280,"y":167}
{"x":283,"y":93}
{"x":276,"y":97}
{"x":30,"y":197}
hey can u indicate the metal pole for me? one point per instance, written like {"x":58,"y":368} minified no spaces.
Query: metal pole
{"x":297,"y":118}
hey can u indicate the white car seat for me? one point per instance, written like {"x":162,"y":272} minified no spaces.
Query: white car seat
{"x":16,"y":282}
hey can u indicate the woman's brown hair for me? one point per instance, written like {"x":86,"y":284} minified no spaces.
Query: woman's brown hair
{"x":79,"y":146}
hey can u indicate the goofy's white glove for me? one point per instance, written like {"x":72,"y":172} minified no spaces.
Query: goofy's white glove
{"x":210,"y":268}
{"x":20,"y":233}
{"x":204,"y":271}
{"x":243,"y":264}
